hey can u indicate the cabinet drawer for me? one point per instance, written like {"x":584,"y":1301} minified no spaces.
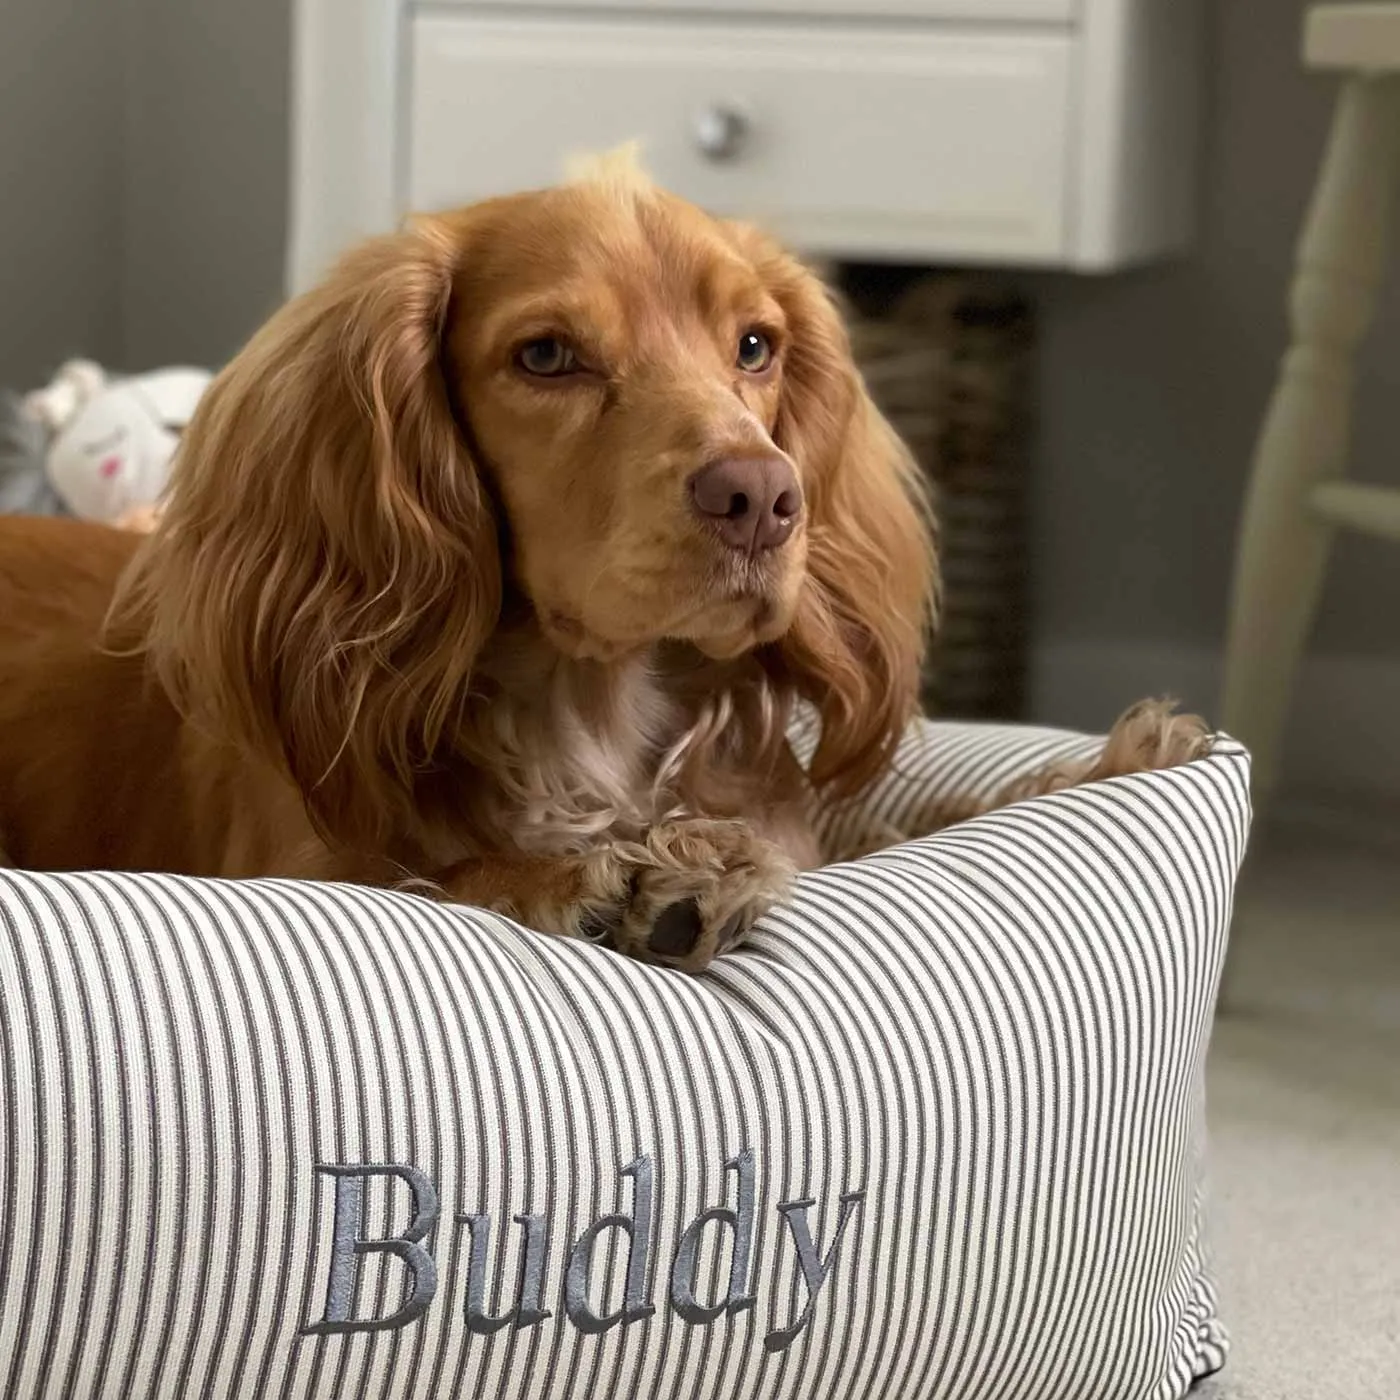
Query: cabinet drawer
{"x":966,"y":11}
{"x":926,"y":143}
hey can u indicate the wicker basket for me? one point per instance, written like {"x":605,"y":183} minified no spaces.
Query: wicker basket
{"x":947,"y":358}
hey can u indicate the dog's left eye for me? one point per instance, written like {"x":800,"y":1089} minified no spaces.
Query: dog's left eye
{"x":755,"y":353}
{"x":547,"y":357}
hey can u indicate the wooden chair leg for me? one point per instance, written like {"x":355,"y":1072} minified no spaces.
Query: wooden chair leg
{"x":1283,"y":547}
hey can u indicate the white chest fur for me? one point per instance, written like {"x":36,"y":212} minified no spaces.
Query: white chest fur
{"x":574,"y":751}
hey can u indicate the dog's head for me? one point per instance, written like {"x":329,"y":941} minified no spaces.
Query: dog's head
{"x":595,"y":402}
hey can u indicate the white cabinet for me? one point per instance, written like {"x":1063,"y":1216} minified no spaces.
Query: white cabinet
{"x":1052,"y":133}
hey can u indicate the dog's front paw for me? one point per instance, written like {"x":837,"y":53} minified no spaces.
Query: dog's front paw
{"x":1147,"y":736}
{"x":693,"y":888}
{"x":1152,"y":735}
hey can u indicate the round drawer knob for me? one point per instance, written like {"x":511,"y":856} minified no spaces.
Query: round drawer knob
{"x":720,"y":131}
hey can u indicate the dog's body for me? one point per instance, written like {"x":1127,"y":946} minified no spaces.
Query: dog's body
{"x":97,"y":769}
{"x":497,"y":563}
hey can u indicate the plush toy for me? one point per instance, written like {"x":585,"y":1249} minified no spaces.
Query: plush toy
{"x":112,"y":440}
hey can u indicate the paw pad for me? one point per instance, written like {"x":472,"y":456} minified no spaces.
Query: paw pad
{"x":676,"y":930}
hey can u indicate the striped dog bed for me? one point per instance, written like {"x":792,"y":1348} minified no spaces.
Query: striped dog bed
{"x":936,"y":1130}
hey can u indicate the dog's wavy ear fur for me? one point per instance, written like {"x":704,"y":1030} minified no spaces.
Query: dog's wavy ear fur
{"x":327,"y":567}
{"x":856,"y":644}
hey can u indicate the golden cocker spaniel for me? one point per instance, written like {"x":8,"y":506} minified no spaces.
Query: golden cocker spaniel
{"x":498,"y":562}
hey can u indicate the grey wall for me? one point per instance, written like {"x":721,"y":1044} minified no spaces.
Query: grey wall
{"x":143,"y":175}
{"x":60,"y":227}
{"x":206,"y":176}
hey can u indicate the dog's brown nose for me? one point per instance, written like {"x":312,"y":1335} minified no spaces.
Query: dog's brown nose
{"x":752,"y":502}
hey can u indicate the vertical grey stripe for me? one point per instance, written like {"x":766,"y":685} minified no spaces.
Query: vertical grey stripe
{"x":251,"y":992}
{"x":107,"y":1058}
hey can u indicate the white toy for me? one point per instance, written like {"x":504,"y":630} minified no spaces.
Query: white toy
{"x":113,"y":439}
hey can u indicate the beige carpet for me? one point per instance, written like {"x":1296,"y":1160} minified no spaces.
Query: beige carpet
{"x":1305,"y":1114}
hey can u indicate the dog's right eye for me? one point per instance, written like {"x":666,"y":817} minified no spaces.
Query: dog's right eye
{"x":548,"y":357}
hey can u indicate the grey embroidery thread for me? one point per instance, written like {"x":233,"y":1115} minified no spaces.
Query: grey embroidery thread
{"x":635,"y":1233}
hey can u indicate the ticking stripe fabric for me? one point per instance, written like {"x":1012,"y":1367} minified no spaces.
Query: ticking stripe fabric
{"x":936,"y":1131}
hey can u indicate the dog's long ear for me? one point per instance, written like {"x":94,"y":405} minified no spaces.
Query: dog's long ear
{"x":857,"y":640}
{"x":327,"y":568}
